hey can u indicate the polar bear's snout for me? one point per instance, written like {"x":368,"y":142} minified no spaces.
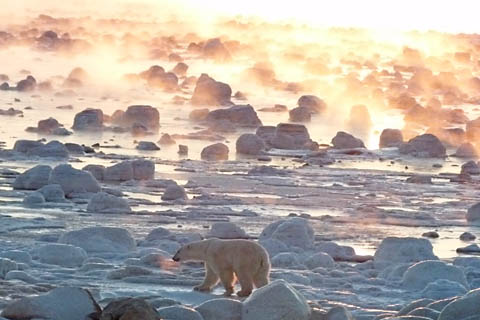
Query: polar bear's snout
{"x":176,"y":258}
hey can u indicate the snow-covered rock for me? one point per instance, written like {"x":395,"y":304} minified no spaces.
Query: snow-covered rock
{"x":98,"y":171}
{"x":103,"y":202}
{"x":320,"y":259}
{"x":339,"y":313}
{"x":419,"y":275}
{"x":52,"y":193}
{"x":34,"y":199}
{"x":129,"y":309}
{"x":143,"y":169}
{"x":17,"y":256}
{"x":174,"y":192}
{"x":473,"y":213}
{"x":33,"y":179}
{"x":466,"y":150}
{"x":294,"y":232}
{"x":287,"y":260}
{"x":443,"y":288}
{"x":466,"y":307}
{"x":58,"y":304}
{"x":250,"y":144}
{"x":300,"y":114}
{"x":403,"y":250}
{"x":221,"y":309}
{"x":336,"y":251}
{"x":6,"y":265}
{"x":24,"y":146}
{"x":179,"y":313}
{"x":226,"y":230}
{"x":122,"y":171}
{"x":158,"y":234}
{"x":60,"y":254}
{"x":277,"y":300}
{"x":53,"y":149}
{"x":73,"y":180}
{"x":100,"y":239}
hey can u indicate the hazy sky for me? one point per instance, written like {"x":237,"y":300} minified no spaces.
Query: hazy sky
{"x":444,"y":15}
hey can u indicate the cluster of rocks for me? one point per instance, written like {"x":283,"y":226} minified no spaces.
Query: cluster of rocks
{"x":123,"y":171}
{"x":307,"y":106}
{"x":156,"y":77}
{"x":49,"y":126}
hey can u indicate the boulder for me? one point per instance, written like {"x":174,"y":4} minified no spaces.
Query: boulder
{"x":103,"y":202}
{"x":174,"y":192}
{"x":215,"y":152}
{"x":288,"y":260}
{"x":221,"y":309}
{"x":210,"y":92}
{"x":300,"y":114}
{"x":158,"y":234}
{"x":47,"y":126}
{"x":216,"y":50}
{"x":34,"y":199}
{"x":424,"y":146}
{"x":180,"y":69}
{"x":122,"y":171}
{"x":403,"y":250}
{"x":466,"y":307}
{"x":144,"y":115}
{"x":291,"y":137}
{"x":466,"y":150}
{"x":294,"y":232}
{"x":471,"y":168}
{"x":467,"y":236}
{"x":100,"y":239}
{"x":320,"y":259}
{"x":129,"y":309}
{"x":166,"y":139}
{"x":339,"y":313}
{"x":336,"y":251}
{"x":28,"y":84}
{"x":127,"y":272}
{"x":75,"y":148}
{"x":53,"y":149}
{"x":199,"y":114}
{"x":420,"y":179}
{"x":179,"y":313}
{"x":143,"y":169}
{"x":442,"y":289}
{"x":147,"y":146}
{"x":473,"y":213}
{"x":250,"y":144}
{"x":17,"y":256}
{"x":33,"y":179}
{"x":98,"y":171}
{"x":52,"y":193}
{"x":273,"y":246}
{"x":313,"y":103}
{"x":226,"y":230}
{"x":24,"y":146}
{"x":391,"y":138}
{"x":58,"y":304}
{"x":238,"y":116}
{"x":182,"y":150}
{"x":88,"y":120}
{"x":73,"y":180}
{"x":422,"y":273}
{"x":7,"y":265}
{"x":64,"y":255}
{"x":343,"y":140}
{"x":277,"y":300}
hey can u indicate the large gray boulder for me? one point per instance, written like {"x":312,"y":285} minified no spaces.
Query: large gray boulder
{"x":424,"y":146}
{"x":103,"y":202}
{"x":422,"y":273}
{"x":179,"y":312}
{"x":250,"y":144}
{"x":289,"y":136}
{"x":391,"y":138}
{"x":463,"y":308}
{"x":24,"y":146}
{"x":226,"y":230}
{"x":394,"y":250}
{"x":174,"y":192}
{"x":58,"y":304}
{"x":53,"y":149}
{"x":215,"y":152}
{"x":88,"y":120}
{"x":33,"y":178}
{"x":144,"y":115}
{"x":277,"y":300}
{"x":313,"y":103}
{"x":100,"y":239}
{"x":343,"y":140}
{"x":210,"y":92}
{"x":52,"y":193}
{"x":122,"y":171}
{"x":143,"y":169}
{"x":221,"y":309}
{"x":216,"y":50}
{"x":293,"y":232}
{"x":7,"y":265}
{"x":238,"y":116}
{"x":300,"y":114}
{"x":473,"y":213}
{"x":73,"y":180}
{"x":129,"y":308}
{"x":60,"y":254}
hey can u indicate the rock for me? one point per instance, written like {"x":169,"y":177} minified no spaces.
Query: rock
{"x":313,"y":103}
{"x":277,"y":300}
{"x":105,"y":203}
{"x":419,"y":179}
{"x":466,"y":150}
{"x":143,"y":169}
{"x":467,"y":236}
{"x":28,"y":84}
{"x":61,"y":132}
{"x":147,"y":146}
{"x":174,"y":192}
{"x":179,"y":313}
{"x":144,"y":115}
{"x":98,"y":171}
{"x":17,"y":256}
{"x":199,"y":114}
{"x":320,"y":259}
{"x":300,"y":114}
{"x":473,"y":129}
{"x":180,"y":69}
{"x":60,"y":254}
{"x":226,"y":230}
{"x":291,"y":137}
{"x":129,"y":309}
{"x":88,"y":120}
{"x":215,"y":152}
{"x":75,"y":148}
{"x":343,"y":140}
{"x":414,"y":305}
{"x":403,"y":250}
{"x":158,"y":234}
{"x":47,"y":126}
{"x":294,"y":232}
{"x":129,"y":271}
{"x":471,"y":168}
{"x":471,"y":249}
{"x":34,"y":199}
{"x":100,"y":239}
{"x":58,"y":304}
{"x":288,"y":260}
{"x":122,"y":171}
{"x":210,"y":92}
{"x":221,"y":309}
{"x":442,"y":288}
{"x":52,"y":193}
{"x":425,"y":312}
{"x":273,"y":246}
{"x":250,"y":144}
{"x":473,"y":213}
{"x":73,"y":180}
{"x":6,"y":265}
{"x":337,"y":252}
{"x":430,"y":234}
{"x":391,"y":138}
{"x":182,"y":150}
{"x":24,"y":146}
{"x":466,"y":307}
{"x":339,"y":313}
{"x":20,"y":275}
{"x":422,"y":273}
{"x":215,"y":49}
{"x":467,"y":262}
{"x":424,"y":146}
{"x":166,"y":139}
{"x":53,"y":149}
{"x":33,"y":179}
{"x":238,"y":116}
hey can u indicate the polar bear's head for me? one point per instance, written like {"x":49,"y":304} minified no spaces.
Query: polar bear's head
{"x":194,"y":251}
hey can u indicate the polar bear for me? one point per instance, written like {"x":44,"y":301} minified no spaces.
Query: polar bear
{"x":226,"y":260}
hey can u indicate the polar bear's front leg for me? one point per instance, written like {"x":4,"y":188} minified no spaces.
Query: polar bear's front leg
{"x":211,"y":279}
